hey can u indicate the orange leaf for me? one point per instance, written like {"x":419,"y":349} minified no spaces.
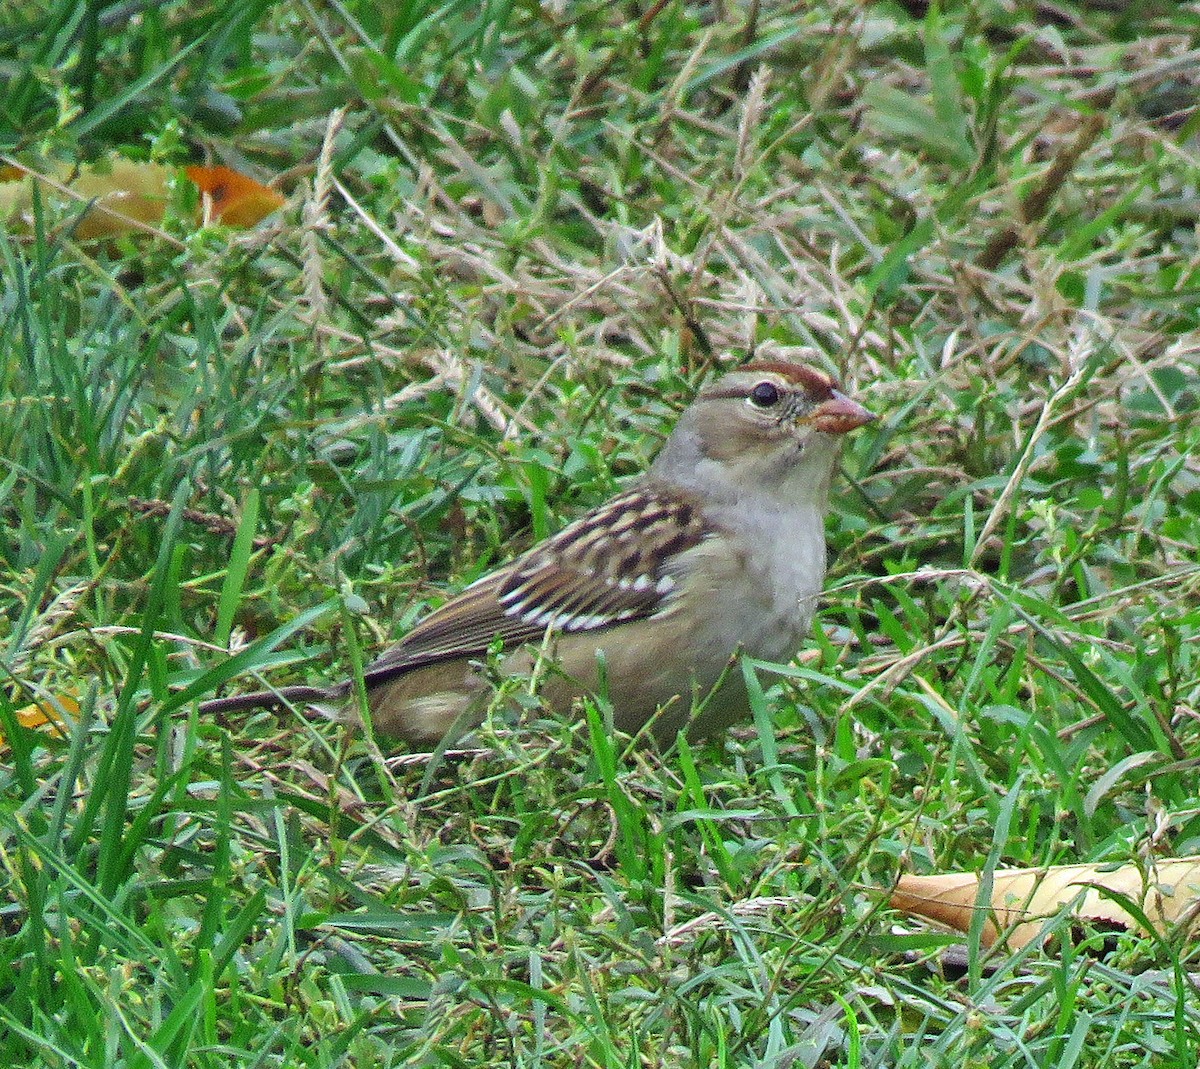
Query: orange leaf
{"x":49,"y":716}
{"x":237,"y":199}
{"x":117,"y":196}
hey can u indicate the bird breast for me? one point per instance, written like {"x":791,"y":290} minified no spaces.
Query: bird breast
{"x":761,"y":596}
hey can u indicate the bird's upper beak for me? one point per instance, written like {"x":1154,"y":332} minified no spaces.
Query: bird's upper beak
{"x":839,"y":415}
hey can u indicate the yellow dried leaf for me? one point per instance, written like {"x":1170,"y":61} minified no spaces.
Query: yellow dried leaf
{"x":1023,"y":899}
{"x":119,"y":196}
{"x":49,"y":716}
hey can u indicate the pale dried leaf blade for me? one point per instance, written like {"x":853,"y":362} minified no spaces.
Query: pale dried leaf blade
{"x":1023,"y":899}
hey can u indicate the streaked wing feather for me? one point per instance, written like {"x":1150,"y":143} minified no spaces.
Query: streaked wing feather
{"x":465,"y":626}
{"x":605,"y":568}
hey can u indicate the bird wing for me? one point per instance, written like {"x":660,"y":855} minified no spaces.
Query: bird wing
{"x":607,"y":567}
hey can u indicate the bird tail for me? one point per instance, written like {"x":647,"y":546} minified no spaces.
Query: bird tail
{"x":273,"y":699}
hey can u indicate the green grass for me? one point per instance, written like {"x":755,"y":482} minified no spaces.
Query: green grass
{"x":289,"y":442}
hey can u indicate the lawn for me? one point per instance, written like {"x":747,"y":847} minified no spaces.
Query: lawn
{"x":518,"y":238}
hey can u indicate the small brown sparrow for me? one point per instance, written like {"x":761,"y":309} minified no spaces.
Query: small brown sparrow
{"x":719,"y":549}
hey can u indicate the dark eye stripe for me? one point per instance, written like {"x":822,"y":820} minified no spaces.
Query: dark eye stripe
{"x":813,"y":382}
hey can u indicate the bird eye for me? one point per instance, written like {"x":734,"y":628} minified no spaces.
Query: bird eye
{"x":765,"y":394}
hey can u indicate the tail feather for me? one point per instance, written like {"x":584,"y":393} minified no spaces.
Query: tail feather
{"x":273,"y":699}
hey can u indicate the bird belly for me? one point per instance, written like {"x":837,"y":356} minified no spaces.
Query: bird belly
{"x":421,"y":706}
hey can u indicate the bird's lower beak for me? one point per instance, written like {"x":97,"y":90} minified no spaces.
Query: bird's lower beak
{"x":839,"y":415}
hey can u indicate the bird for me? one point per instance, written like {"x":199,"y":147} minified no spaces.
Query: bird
{"x":716,"y":551}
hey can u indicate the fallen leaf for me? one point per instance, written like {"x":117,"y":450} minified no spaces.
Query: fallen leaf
{"x":118,"y":196}
{"x":49,"y":716}
{"x":1023,"y":899}
{"x":237,"y":200}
